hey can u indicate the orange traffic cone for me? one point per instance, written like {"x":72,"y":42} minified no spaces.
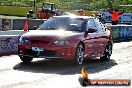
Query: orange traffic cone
{"x":26,"y":26}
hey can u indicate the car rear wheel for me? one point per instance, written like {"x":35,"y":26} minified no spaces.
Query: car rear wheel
{"x":26,"y":59}
{"x":79,"y":55}
{"x":107,"y":52}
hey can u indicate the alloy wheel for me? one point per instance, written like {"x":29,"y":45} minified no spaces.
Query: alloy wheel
{"x":80,"y":54}
{"x":107,"y":52}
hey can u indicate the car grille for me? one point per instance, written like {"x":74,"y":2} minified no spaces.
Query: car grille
{"x":47,"y":53}
{"x":39,"y":42}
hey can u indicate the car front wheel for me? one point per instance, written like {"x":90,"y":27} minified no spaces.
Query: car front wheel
{"x":26,"y":59}
{"x":107,"y":52}
{"x":79,"y":55}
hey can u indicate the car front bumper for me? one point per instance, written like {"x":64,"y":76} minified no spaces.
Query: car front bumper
{"x":50,"y":52}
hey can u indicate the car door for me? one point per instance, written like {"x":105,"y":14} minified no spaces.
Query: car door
{"x":91,"y":39}
{"x":102,"y":36}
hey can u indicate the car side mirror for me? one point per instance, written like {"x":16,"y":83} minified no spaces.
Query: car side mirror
{"x":91,"y":30}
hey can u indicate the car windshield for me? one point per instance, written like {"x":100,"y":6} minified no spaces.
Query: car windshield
{"x":69,"y":24}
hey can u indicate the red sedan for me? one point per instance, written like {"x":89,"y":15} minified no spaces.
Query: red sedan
{"x":67,"y":37}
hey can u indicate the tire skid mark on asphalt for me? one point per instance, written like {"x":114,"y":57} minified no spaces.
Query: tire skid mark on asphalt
{"x":112,"y":71}
{"x":122,"y":45}
{"x":124,"y":54}
{"x":57,"y":82}
{"x":5,"y":69}
{"x":36,"y":81}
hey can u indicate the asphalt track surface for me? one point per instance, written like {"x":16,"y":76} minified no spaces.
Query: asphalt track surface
{"x":60,"y":74}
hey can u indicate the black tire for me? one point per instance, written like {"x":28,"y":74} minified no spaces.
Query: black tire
{"x":79,"y":55}
{"x":107,"y":52}
{"x":26,"y":59}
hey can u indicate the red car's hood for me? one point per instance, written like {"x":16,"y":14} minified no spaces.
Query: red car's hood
{"x":51,"y":33}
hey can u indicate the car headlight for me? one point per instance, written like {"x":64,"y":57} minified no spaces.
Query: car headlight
{"x":61,"y":42}
{"x":24,"y":40}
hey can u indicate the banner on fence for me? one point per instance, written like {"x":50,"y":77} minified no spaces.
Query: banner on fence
{"x":6,"y":24}
{"x":121,"y":32}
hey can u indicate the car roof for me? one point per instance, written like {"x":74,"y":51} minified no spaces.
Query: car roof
{"x":73,"y":16}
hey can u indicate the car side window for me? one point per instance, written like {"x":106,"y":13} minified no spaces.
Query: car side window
{"x":91,"y":24}
{"x":100,"y":26}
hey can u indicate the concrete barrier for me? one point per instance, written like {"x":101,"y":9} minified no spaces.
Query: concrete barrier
{"x":12,"y":32}
{"x":121,"y":32}
{"x":9,"y":41}
{"x":8,"y":44}
{"x":18,"y":24}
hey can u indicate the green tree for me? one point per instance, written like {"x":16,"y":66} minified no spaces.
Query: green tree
{"x":102,"y":5}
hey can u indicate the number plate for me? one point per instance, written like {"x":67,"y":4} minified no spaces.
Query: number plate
{"x":37,"y":49}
